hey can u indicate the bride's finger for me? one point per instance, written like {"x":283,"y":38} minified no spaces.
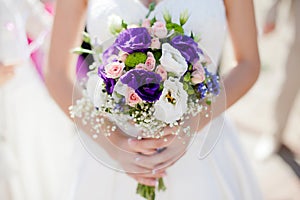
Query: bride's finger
{"x":145,"y":181}
{"x":143,"y":146}
{"x":157,"y":174}
{"x":161,"y":160}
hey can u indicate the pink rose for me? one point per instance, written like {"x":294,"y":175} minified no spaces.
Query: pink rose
{"x":140,"y":66}
{"x":159,"y":29}
{"x":132,"y":98}
{"x":150,"y":62}
{"x":146,"y":23}
{"x":198,"y":77}
{"x":198,"y":66}
{"x":114,"y":70}
{"x":162,"y":72}
{"x":123,"y":57}
{"x":155,"y":43}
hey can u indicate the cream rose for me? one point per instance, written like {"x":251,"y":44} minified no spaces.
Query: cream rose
{"x":172,"y":60}
{"x":155,"y":43}
{"x":172,"y":104}
{"x":159,"y":29}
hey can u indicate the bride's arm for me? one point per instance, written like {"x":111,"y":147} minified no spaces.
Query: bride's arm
{"x":60,"y":74}
{"x":238,"y":81}
{"x":60,"y":71}
{"x":242,"y":27}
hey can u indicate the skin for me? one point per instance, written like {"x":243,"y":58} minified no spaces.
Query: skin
{"x":69,"y":23}
{"x":6,"y":73}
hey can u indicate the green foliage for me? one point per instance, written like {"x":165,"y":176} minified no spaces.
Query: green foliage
{"x":124,"y":24}
{"x":80,"y":51}
{"x":153,"y":20}
{"x":167,"y":17}
{"x":157,"y":54}
{"x":86,"y":37}
{"x":187,"y":77}
{"x":175,"y":27}
{"x":135,"y":58}
{"x":148,"y":192}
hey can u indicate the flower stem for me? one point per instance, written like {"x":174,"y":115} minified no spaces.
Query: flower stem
{"x":148,"y":192}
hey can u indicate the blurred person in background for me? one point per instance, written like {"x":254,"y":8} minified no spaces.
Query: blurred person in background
{"x":271,"y":143}
{"x":34,"y":133}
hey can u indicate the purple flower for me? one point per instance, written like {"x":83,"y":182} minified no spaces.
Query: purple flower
{"x":202,"y":90}
{"x":187,"y":47}
{"x":112,"y":50}
{"x":212,"y":82}
{"x":134,"y":39}
{"x":145,"y":83}
{"x":109,"y":82}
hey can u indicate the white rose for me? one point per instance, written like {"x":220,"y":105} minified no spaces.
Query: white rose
{"x":94,"y":89}
{"x":172,"y":103}
{"x":172,"y":60}
{"x":115,"y":24}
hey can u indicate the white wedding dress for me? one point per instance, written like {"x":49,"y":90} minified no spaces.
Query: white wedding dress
{"x":35,"y":135}
{"x":204,"y":172}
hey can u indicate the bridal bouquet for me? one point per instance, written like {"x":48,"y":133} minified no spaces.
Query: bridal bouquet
{"x":153,"y":75}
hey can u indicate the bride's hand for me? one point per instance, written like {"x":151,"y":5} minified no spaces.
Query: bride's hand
{"x":6,"y":73}
{"x":162,"y":153}
{"x":138,"y":158}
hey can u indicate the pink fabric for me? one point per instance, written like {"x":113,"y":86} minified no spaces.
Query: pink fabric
{"x":38,"y":56}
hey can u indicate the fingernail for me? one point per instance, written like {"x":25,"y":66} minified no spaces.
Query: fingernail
{"x":137,"y":159}
{"x":130,"y":141}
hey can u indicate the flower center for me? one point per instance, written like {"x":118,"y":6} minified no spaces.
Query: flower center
{"x":169,"y":97}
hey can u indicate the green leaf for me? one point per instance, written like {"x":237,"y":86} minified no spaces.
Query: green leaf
{"x":191,"y":91}
{"x":124,"y":24}
{"x":86,"y":37}
{"x":161,"y":87}
{"x":167,"y":17}
{"x":184,"y":16}
{"x":208,"y":102}
{"x":175,"y":27}
{"x":185,"y":86}
{"x":153,"y":20}
{"x":80,"y":51}
{"x":171,"y":74}
{"x":157,"y":54}
{"x":187,"y":77}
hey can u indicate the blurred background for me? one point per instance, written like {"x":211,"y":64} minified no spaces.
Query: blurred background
{"x":279,"y":173}
{"x":254,"y":113}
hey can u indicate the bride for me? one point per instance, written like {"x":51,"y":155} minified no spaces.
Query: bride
{"x":224,"y":173}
